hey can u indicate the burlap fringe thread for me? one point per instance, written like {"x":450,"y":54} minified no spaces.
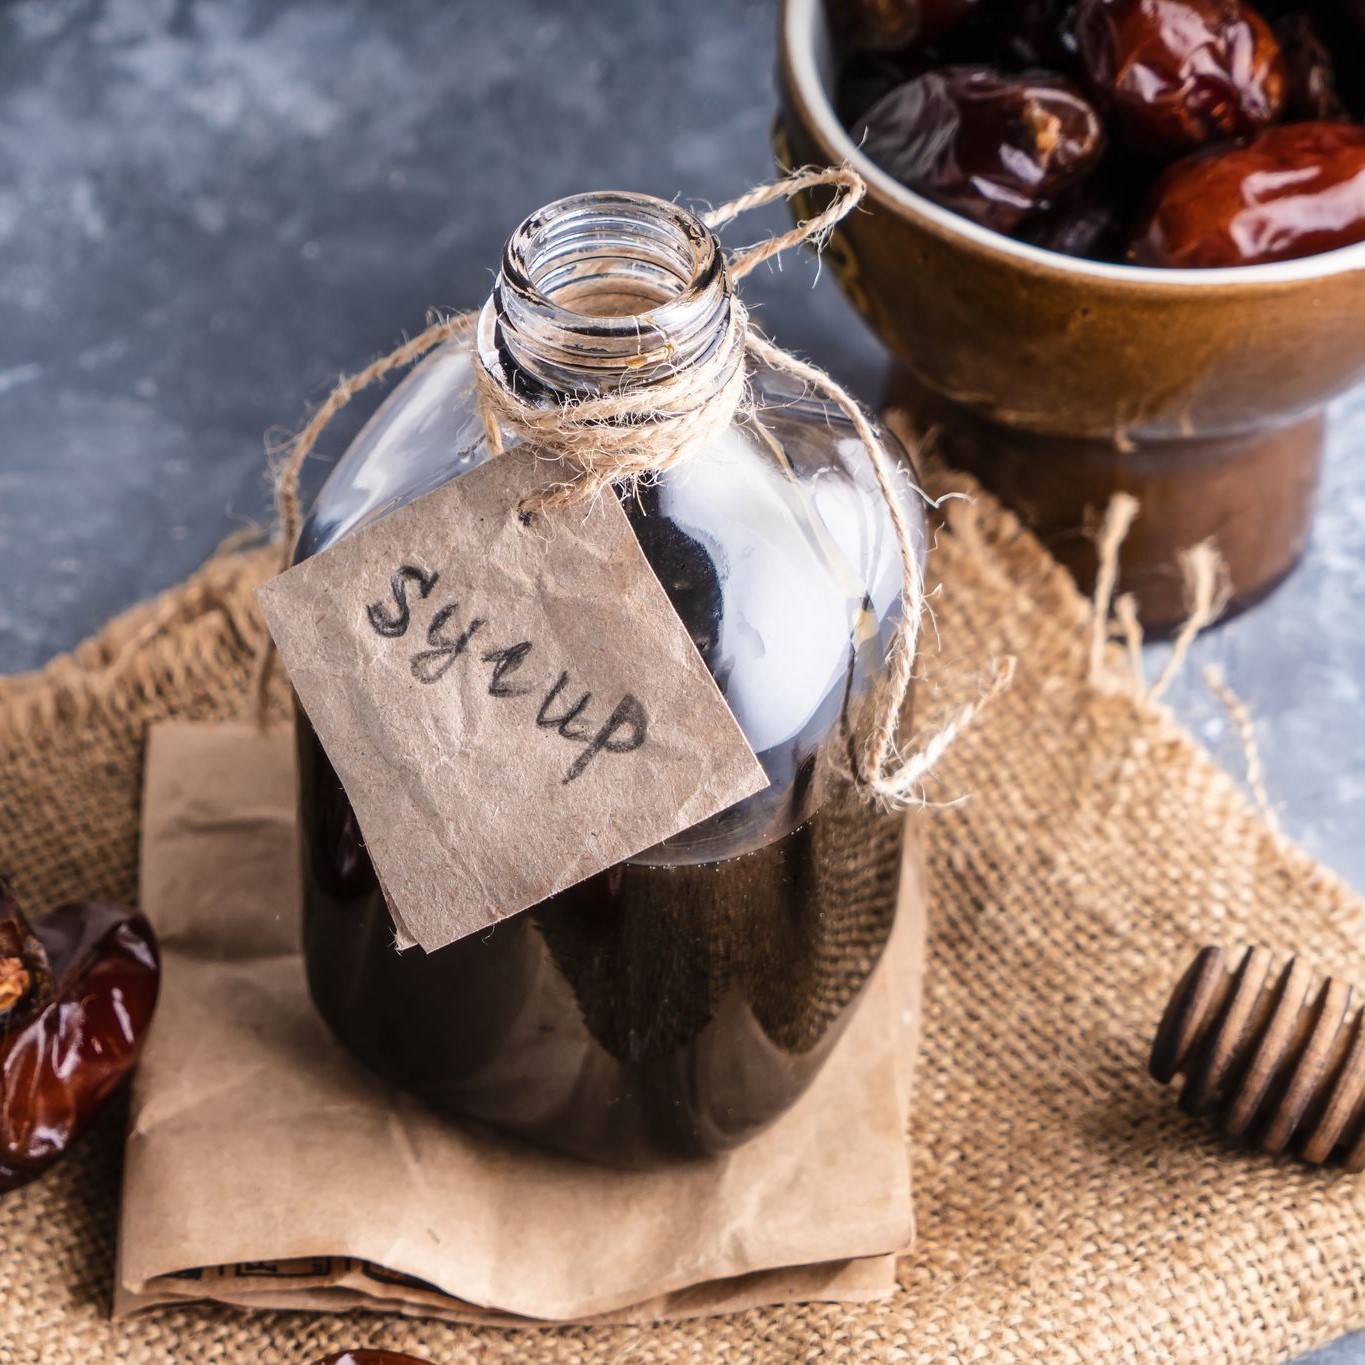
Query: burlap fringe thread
{"x":621,"y":437}
{"x":1207,"y":592}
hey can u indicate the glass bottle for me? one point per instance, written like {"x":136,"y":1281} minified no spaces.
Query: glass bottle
{"x":677,"y":1003}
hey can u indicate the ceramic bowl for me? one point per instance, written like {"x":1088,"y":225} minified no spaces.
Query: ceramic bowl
{"x":1058,"y":381}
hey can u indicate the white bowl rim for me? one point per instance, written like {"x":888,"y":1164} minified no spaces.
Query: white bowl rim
{"x":799,"y":19}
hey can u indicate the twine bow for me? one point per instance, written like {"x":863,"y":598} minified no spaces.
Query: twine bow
{"x":620,"y":437}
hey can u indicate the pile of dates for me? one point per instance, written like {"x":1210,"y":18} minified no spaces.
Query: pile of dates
{"x":77,"y":992}
{"x":1177,"y":133}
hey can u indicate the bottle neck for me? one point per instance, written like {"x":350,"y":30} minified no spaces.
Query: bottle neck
{"x":600,"y":293}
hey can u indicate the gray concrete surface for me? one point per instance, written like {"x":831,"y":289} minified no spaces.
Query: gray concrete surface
{"x":208,"y":210}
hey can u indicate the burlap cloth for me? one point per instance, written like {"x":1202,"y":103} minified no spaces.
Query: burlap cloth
{"x":1067,"y":1210}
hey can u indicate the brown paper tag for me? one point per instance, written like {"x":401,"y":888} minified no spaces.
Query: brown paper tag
{"x":507,"y":695}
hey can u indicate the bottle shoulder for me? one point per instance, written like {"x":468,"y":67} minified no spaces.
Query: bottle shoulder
{"x":425,"y":433}
{"x":791,"y":481}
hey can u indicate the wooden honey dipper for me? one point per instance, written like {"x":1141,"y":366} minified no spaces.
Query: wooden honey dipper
{"x":1270,"y":1061}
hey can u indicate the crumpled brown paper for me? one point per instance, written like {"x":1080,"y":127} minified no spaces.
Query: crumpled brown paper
{"x":266,"y":1168}
{"x":509,"y":698}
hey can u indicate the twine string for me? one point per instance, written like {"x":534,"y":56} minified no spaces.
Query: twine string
{"x":849,"y":189}
{"x":287,"y":508}
{"x":626,"y":436}
{"x":621,"y":437}
{"x":882,"y":770}
{"x":288,"y":473}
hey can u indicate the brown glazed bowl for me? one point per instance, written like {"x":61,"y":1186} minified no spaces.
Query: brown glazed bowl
{"x":1059,"y":381}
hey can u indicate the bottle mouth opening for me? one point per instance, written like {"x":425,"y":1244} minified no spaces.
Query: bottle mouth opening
{"x":605,"y":289}
{"x":611,"y":256}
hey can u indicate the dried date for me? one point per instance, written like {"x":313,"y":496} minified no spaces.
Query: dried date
{"x":77,"y":992}
{"x":1353,"y":11}
{"x":1177,"y":75}
{"x":865,"y":78}
{"x":886,"y":25}
{"x":995,"y":148}
{"x":1040,"y":33}
{"x":1344,"y":39}
{"x":1310,"y":74}
{"x":1090,"y":221}
{"x":1292,"y":191}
